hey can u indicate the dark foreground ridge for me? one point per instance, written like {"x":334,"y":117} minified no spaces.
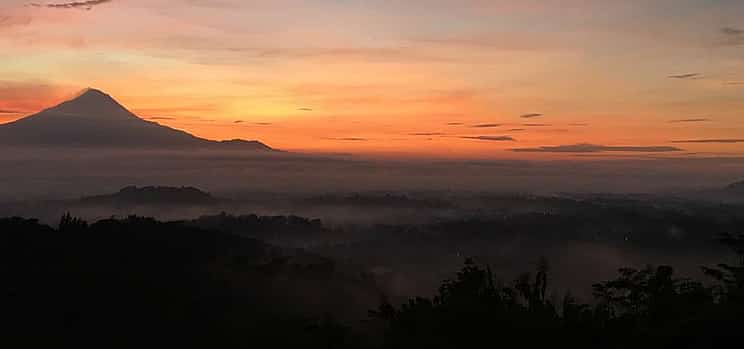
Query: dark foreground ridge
{"x":122,"y":283}
{"x":95,"y":119}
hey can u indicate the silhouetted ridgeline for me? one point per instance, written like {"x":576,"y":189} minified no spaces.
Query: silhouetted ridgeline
{"x":133,"y":196}
{"x":132,"y":281}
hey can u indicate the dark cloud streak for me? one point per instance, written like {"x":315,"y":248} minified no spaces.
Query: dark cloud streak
{"x":531,"y":115}
{"x":594,"y":148}
{"x":733,"y":36}
{"x":84,"y":5}
{"x":427,"y":134}
{"x":350,"y":139}
{"x":719,"y":140}
{"x":689,"y":76}
{"x":689,"y":120}
{"x":491,"y":138}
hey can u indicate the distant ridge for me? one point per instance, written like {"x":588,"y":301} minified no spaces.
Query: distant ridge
{"x":737,"y":187}
{"x":95,"y":119}
{"x":152,"y":196}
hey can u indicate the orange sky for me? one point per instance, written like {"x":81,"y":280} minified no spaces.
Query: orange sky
{"x":414,"y":78}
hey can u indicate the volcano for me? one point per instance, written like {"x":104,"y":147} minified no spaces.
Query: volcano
{"x":95,"y":119}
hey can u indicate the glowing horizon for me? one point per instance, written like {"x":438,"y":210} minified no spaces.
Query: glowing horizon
{"x":424,"y":78}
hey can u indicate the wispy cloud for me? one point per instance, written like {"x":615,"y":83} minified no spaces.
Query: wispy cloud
{"x":83,"y":5}
{"x":8,"y":111}
{"x":349,"y":139}
{"x":305,"y":109}
{"x":537,"y":125}
{"x":594,"y":148}
{"x":427,"y":134}
{"x":732,"y":36}
{"x":486,"y":125}
{"x":12,"y":21}
{"x":714,"y":140}
{"x":688,"y":76}
{"x":491,"y":138}
{"x":455,"y":123}
{"x":262,"y":123}
{"x":517,"y":130}
{"x":238,"y":122}
{"x":160,"y":118}
{"x":530,"y":115}
{"x":690,"y":120}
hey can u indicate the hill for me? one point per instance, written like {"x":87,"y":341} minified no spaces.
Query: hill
{"x":152,"y":196}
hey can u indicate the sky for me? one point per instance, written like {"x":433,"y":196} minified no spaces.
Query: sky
{"x":435,"y":78}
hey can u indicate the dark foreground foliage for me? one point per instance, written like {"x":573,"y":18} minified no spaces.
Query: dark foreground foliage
{"x":138,"y":282}
{"x":135,"y":282}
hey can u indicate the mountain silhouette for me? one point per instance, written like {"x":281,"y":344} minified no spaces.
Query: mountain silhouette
{"x":95,"y":119}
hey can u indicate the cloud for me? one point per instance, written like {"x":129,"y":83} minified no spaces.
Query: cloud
{"x":262,"y":123}
{"x":8,"y":111}
{"x":30,"y":95}
{"x":719,"y":140}
{"x":689,"y":120}
{"x":455,"y":123}
{"x":238,"y":121}
{"x":537,"y":125}
{"x":427,"y":134}
{"x":305,"y":109}
{"x":201,"y":109}
{"x":689,"y":76}
{"x":12,"y":21}
{"x":350,"y":139}
{"x":517,"y":130}
{"x":733,"y":36}
{"x":491,"y":138}
{"x":531,"y":115}
{"x":593,"y":148}
{"x":83,"y":5}
{"x":161,"y":118}
{"x":486,"y":125}
{"x":734,"y":83}
{"x":732,"y":31}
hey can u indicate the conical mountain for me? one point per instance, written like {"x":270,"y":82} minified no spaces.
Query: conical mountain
{"x":95,"y":119}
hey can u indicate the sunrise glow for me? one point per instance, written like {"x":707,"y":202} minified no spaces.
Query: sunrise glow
{"x":421,"y":78}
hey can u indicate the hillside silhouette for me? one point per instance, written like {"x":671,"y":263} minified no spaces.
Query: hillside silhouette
{"x":152,"y":195}
{"x":95,"y":119}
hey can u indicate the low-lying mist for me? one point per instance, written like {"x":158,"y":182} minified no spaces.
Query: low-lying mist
{"x":74,"y":172}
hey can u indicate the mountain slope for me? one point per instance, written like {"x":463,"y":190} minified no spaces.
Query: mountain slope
{"x":96,"y":119}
